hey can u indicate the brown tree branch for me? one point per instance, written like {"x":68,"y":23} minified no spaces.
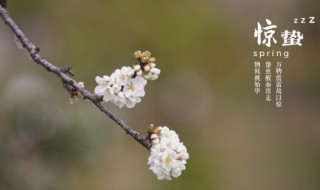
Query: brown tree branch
{"x":67,"y":81}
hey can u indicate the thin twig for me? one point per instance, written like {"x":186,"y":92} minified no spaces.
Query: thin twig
{"x":66,"y":80}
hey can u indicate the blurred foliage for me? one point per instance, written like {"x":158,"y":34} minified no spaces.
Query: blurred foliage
{"x":205,"y":93}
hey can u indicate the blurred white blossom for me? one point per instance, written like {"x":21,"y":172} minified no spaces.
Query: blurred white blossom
{"x":168,"y":155}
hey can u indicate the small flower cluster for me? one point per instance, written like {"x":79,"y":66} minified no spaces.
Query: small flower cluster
{"x":146,"y":66}
{"x":75,"y":96}
{"x":168,"y":155}
{"x":125,"y":86}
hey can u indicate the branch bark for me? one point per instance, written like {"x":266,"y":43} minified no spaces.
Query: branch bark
{"x":67,"y":81}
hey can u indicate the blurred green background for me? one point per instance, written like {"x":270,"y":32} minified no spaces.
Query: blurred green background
{"x":236,"y":140}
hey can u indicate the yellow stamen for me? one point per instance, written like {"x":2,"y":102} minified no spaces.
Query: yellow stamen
{"x":168,"y":160}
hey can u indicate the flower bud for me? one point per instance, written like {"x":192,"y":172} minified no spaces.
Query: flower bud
{"x":139,"y":73}
{"x":72,"y":100}
{"x":146,"y":68}
{"x":136,"y":67}
{"x":146,"y":54}
{"x":81,"y":84}
{"x":152,"y":59}
{"x":144,"y":59}
{"x":147,"y":76}
{"x":153,"y":136}
{"x":157,"y":130}
{"x":137,"y":54}
{"x":155,"y":71}
{"x":150,"y":128}
{"x":152,"y":65}
{"x":154,"y":77}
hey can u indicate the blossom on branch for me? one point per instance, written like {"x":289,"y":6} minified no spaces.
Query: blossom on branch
{"x":121,"y":88}
{"x":75,"y":96}
{"x":168,"y":155}
{"x":125,"y":86}
{"x":146,"y":66}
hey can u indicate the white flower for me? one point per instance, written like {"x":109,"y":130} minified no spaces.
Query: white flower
{"x":125,"y":86}
{"x":123,"y":75}
{"x":168,"y":155}
{"x":121,"y":88}
{"x":102,"y":84}
{"x":137,"y":68}
{"x":154,"y":73}
{"x":134,"y":90}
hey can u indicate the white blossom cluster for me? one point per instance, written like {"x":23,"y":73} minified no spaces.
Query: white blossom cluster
{"x":146,"y":66}
{"x":125,"y":86}
{"x":121,"y":88}
{"x":168,"y":155}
